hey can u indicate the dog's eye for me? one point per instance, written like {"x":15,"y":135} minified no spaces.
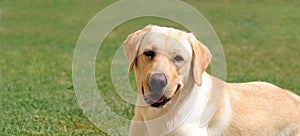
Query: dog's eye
{"x":150,"y":54}
{"x":178,"y":58}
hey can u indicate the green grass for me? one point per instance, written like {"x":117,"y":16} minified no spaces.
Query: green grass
{"x":37,"y":38}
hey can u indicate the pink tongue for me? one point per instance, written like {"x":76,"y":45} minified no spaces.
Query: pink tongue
{"x":159,"y":101}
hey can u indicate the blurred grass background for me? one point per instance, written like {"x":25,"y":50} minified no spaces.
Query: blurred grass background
{"x":261,"y":41}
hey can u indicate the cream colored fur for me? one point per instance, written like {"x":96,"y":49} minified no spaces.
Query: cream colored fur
{"x":246,"y":109}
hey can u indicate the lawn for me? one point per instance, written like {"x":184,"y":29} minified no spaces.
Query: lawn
{"x":261,"y":41}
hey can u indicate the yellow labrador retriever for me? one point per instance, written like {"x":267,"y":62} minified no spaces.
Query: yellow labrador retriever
{"x":177,"y":96}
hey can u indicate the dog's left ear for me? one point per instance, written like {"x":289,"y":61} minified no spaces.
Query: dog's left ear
{"x":132,"y":43}
{"x":201,"y":58}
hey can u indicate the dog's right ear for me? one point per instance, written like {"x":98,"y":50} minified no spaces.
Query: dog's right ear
{"x":132,"y":43}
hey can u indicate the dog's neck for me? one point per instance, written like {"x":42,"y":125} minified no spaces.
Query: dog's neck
{"x":186,"y":107}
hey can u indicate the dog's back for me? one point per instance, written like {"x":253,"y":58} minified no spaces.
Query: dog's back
{"x":260,"y":108}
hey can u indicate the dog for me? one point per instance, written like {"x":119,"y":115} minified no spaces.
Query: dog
{"x":178,"y":97}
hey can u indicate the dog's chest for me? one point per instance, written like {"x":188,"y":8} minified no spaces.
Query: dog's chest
{"x":189,"y":130}
{"x":180,"y":121}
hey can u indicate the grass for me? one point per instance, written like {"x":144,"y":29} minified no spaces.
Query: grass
{"x":37,"y":38}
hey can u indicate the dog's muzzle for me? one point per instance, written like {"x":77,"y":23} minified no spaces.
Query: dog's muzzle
{"x":157,"y":84}
{"x":159,"y":103}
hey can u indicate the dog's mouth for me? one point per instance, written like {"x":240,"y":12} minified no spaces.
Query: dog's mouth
{"x":158,"y":101}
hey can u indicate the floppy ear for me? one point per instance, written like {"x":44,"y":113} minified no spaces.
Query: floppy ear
{"x":201,"y":58}
{"x":132,"y":43}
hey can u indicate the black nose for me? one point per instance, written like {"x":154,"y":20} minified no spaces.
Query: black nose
{"x":157,"y":82}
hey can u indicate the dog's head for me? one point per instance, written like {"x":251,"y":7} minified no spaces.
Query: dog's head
{"x":165,"y":59}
